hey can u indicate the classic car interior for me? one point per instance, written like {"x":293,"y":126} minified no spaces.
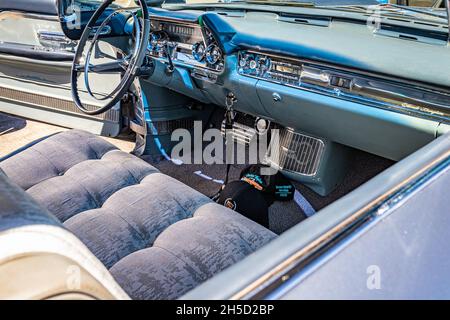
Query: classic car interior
{"x":348,"y":102}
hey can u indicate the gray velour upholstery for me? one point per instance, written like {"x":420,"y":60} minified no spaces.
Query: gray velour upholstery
{"x":158,"y":237}
{"x":18,"y":209}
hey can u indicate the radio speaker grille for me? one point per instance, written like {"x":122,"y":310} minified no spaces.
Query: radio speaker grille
{"x":296,"y":152}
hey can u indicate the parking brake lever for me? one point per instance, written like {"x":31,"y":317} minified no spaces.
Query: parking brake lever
{"x":169,"y":51}
{"x":230,"y":100}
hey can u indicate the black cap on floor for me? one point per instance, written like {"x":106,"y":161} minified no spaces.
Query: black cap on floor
{"x":242,"y":197}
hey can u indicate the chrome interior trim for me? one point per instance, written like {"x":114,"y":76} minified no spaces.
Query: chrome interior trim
{"x":384,"y":91}
{"x":447,"y":7}
{"x":53,"y":36}
{"x":241,"y":133}
{"x":315,"y":77}
{"x":53,"y":103}
{"x":296,"y":153}
{"x":181,"y":58}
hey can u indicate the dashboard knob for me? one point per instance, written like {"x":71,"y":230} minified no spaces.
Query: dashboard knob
{"x":276,"y":97}
{"x":262,"y":126}
{"x":199,"y":51}
{"x":213,"y":54}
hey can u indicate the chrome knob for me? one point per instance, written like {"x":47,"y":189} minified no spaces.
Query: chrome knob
{"x":276,"y":97}
{"x":199,"y":51}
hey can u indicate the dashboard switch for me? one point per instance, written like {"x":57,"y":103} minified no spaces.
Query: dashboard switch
{"x":341,"y":82}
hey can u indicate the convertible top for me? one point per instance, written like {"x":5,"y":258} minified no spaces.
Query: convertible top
{"x":49,"y":7}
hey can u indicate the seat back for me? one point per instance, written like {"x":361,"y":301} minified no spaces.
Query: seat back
{"x":40,"y":259}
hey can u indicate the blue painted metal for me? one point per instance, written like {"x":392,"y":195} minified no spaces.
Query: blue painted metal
{"x":405,"y":242}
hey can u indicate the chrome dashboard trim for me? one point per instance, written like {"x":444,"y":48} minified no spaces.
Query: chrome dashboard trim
{"x":315,"y":77}
{"x":447,"y":8}
{"x":192,"y":63}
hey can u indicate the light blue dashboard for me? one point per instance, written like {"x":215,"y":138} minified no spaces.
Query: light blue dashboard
{"x":391,"y":96}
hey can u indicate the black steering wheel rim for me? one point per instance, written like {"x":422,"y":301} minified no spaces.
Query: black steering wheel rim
{"x":135,"y":62}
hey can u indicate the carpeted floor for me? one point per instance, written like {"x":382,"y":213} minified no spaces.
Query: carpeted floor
{"x":282,"y":215}
{"x":16,"y":132}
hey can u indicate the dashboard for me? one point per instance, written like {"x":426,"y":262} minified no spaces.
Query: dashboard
{"x":190,"y":44}
{"x":343,"y":84}
{"x":299,"y":77}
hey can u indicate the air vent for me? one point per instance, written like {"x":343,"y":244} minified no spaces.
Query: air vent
{"x":407,"y":37}
{"x":305,"y":19}
{"x":296,"y":152}
{"x":413,"y":34}
{"x":238,"y":14}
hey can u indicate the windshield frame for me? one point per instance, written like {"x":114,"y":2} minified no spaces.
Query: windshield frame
{"x":437,"y":16}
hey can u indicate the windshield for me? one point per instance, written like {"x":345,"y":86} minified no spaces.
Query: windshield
{"x":423,"y":10}
{"x":323,"y":3}
{"x":90,"y":5}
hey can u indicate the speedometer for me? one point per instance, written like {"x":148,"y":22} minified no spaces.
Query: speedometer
{"x":213,"y":54}
{"x":199,"y":51}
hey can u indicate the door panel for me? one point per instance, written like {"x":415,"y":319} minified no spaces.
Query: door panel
{"x":35,"y":63}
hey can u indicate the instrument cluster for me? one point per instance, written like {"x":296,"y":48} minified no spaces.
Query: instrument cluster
{"x":185,"y":43}
{"x":269,"y":68}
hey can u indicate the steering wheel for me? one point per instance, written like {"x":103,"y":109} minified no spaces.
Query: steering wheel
{"x":128,"y":66}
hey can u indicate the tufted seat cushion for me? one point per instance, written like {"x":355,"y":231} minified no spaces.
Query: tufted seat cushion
{"x":158,"y":237}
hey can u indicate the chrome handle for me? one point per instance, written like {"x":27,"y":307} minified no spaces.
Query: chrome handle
{"x":314,"y":76}
{"x":53,"y":36}
{"x":399,"y":94}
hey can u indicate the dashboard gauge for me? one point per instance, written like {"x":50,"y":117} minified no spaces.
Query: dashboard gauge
{"x":156,"y":37}
{"x":242,"y":62}
{"x":264,"y":63}
{"x":187,"y":43}
{"x":213,"y":54}
{"x":252,"y":64}
{"x":199,"y":51}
